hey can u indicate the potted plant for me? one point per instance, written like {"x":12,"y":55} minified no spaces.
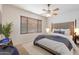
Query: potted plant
{"x":6,"y":30}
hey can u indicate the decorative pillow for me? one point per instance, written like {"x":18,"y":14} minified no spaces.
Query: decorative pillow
{"x":66,"y":31}
{"x":55,"y":30}
{"x":60,"y":32}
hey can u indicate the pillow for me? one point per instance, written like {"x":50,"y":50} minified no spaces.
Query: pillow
{"x":54,"y":46}
{"x":60,"y":32}
{"x":55,"y":30}
{"x":66,"y":31}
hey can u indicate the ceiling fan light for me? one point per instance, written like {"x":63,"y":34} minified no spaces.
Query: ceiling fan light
{"x":50,"y":12}
{"x":48,"y":15}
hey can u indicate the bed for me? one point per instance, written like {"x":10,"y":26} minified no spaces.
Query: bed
{"x":54,"y":43}
{"x":58,"y":43}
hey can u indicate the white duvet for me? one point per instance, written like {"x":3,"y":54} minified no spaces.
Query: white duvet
{"x":59,"y":47}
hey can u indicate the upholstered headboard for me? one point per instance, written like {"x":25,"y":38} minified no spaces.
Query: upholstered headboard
{"x":65,"y":25}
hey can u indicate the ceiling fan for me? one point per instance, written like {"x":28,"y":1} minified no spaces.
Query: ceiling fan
{"x":50,"y":12}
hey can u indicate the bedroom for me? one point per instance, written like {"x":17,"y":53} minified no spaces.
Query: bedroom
{"x":66,"y":18}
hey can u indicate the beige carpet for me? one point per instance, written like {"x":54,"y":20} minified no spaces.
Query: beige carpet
{"x":30,"y":49}
{"x":21,"y":49}
{"x":34,"y":50}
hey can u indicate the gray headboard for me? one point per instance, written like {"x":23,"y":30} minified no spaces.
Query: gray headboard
{"x":65,"y":25}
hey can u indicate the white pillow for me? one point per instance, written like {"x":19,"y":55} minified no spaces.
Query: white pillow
{"x":55,"y":46}
{"x":55,"y":30}
{"x":67,"y":31}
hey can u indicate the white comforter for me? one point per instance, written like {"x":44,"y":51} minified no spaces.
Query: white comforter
{"x":75,"y":48}
{"x":59,"y":48}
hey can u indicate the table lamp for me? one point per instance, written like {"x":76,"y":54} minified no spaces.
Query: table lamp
{"x":47,"y":30}
{"x":77,"y":31}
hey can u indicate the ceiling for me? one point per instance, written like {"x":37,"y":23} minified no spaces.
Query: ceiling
{"x":37,"y":8}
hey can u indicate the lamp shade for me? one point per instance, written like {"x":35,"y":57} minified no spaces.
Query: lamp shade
{"x":47,"y":30}
{"x":77,"y":31}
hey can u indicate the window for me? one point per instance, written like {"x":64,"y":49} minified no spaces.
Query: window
{"x":30,"y":25}
{"x":24,"y":25}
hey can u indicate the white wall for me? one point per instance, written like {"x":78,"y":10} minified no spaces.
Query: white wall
{"x":69,"y":16}
{"x":12,"y":14}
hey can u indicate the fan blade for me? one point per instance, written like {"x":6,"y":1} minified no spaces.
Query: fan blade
{"x":56,"y":9}
{"x":46,"y":10}
{"x":55,"y":14}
